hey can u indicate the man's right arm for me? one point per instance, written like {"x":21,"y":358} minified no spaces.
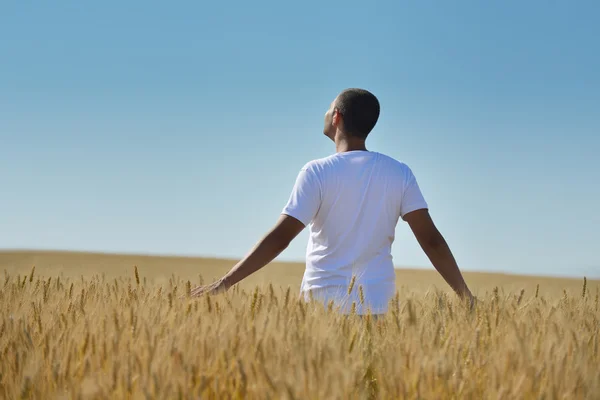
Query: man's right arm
{"x":435,"y":247}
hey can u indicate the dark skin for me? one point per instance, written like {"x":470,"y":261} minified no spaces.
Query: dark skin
{"x":435,"y":247}
{"x":265,"y":251}
{"x":279,"y":237}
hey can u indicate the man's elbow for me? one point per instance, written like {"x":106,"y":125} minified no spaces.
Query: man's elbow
{"x":433,"y":241}
{"x":278,"y":243}
{"x":282,"y":234}
{"x":282,"y":245}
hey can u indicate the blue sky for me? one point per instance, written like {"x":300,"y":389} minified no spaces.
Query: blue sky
{"x":179,"y":128}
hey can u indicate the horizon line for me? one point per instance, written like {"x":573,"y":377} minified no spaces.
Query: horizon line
{"x":289,"y":261}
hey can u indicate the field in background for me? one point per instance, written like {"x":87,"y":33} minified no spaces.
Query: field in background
{"x":87,"y":326}
{"x":159,"y":269}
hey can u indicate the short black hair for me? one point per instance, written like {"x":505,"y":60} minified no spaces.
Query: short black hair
{"x":360,"y":111}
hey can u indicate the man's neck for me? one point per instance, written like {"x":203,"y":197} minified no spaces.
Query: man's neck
{"x":345,"y":145}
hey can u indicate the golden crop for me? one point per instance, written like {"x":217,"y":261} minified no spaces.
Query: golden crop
{"x":125,"y":337}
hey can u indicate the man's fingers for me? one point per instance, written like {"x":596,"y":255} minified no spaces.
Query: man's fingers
{"x":197,"y":291}
{"x":210,"y":289}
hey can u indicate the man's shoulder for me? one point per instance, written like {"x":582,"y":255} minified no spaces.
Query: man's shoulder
{"x":393,"y":161}
{"x":396,"y":166}
{"x":319,"y":163}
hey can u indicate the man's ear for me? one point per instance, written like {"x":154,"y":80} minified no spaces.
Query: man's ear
{"x":337,"y":117}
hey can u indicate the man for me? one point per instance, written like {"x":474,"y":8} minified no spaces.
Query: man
{"x":351,"y":201}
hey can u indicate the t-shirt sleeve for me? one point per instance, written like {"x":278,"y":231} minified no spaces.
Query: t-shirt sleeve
{"x":412,"y":197}
{"x":305,"y":199}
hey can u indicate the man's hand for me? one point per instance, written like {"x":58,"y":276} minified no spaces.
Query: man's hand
{"x":435,"y":247}
{"x":213,"y":288}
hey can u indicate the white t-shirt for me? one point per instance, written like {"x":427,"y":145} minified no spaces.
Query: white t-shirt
{"x":351,"y":202}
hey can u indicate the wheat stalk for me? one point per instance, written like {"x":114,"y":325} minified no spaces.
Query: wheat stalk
{"x":351,"y":285}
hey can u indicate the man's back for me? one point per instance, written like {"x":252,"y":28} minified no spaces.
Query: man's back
{"x":351,"y":202}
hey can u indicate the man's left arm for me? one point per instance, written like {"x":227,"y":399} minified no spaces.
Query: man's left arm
{"x":265,"y":251}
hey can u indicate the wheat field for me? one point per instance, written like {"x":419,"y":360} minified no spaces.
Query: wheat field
{"x":90,"y":326}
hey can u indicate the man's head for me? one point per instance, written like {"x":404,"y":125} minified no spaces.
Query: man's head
{"x":354,"y":112}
